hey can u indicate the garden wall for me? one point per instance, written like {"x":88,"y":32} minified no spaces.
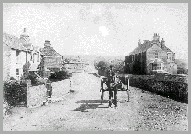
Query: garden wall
{"x":172,"y":86}
{"x":36,"y":95}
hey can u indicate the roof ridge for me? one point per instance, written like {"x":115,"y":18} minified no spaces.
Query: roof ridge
{"x":49,"y":51}
{"x":13,"y":41}
{"x":141,"y":48}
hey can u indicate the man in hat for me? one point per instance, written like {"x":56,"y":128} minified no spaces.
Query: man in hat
{"x":111,"y":80}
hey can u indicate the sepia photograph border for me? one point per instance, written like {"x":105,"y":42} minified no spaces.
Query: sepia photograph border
{"x":89,"y":1}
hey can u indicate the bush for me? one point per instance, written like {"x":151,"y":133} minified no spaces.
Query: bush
{"x":14,"y":92}
{"x":33,"y":78}
{"x":12,"y":78}
{"x":59,"y":75}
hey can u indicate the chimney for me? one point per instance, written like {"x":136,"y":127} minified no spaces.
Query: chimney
{"x":24,"y":30}
{"x":158,"y":38}
{"x":145,"y":41}
{"x":162,"y":43}
{"x":155,"y":36}
{"x":47,"y":43}
{"x":139,"y":43}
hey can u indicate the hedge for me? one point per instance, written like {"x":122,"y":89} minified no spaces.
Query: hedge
{"x":14,"y":92}
{"x":175,"y":90}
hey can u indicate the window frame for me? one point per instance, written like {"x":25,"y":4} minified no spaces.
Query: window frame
{"x":38,"y":57}
{"x":169,"y":55}
{"x":17,"y":56}
{"x":156,"y":55}
{"x":159,"y":66}
{"x":17,"y":71}
{"x":31,"y":57}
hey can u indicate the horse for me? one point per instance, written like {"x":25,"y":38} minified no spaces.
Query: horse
{"x":111,"y":86}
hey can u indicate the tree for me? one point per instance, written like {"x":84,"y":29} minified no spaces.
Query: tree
{"x":102,"y":65}
{"x":26,"y":68}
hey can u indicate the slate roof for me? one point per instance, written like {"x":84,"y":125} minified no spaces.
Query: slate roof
{"x":49,"y":51}
{"x":28,"y":46}
{"x":142,"y":48}
{"x":166,"y":49}
{"x":145,"y":46}
{"x":13,"y":42}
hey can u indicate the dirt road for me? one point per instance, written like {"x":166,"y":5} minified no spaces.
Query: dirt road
{"x":83,"y":111}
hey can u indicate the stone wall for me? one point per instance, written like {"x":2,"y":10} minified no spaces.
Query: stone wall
{"x":53,"y":62}
{"x":36,"y":95}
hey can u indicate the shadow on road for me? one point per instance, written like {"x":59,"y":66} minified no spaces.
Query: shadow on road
{"x":92,"y":101}
{"x":90,"y":104}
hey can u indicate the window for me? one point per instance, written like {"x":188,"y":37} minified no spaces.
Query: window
{"x":156,"y":55}
{"x":169,"y":56}
{"x":17,"y":53}
{"x":158,"y":66}
{"x":154,"y":67}
{"x":38,"y":57}
{"x":31,"y":56}
{"x":17,"y":56}
{"x":17,"y":71}
{"x":133,"y":57}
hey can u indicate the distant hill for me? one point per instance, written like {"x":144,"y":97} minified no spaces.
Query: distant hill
{"x":92,"y":58}
{"x":117,"y":61}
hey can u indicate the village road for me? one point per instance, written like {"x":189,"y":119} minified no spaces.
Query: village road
{"x":83,"y":111}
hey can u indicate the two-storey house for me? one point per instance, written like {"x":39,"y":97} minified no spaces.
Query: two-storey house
{"x":16,"y":53}
{"x":33,"y":51}
{"x":50,"y":59}
{"x":149,"y":56}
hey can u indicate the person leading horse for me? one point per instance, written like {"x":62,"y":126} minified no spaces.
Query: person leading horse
{"x":112,"y":86}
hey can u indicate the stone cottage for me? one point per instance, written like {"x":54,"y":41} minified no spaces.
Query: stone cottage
{"x":149,"y":56}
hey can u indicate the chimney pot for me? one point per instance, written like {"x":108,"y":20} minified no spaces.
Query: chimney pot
{"x":47,"y":41}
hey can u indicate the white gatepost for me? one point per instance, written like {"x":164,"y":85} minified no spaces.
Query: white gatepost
{"x":127,"y":80}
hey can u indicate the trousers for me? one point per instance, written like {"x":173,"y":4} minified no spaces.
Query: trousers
{"x":112,"y":94}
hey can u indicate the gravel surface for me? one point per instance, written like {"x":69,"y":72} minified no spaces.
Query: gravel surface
{"x":82,"y":110}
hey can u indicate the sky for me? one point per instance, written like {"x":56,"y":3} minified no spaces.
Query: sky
{"x":99,"y":28}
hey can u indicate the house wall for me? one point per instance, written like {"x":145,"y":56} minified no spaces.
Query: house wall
{"x":144,"y":62}
{"x":29,"y":57}
{"x":151,"y":56}
{"x":17,"y":63}
{"x":53,"y":62}
{"x":6,"y":62}
{"x":168,"y":65}
{"x":35,"y":59}
{"x":139,"y":64}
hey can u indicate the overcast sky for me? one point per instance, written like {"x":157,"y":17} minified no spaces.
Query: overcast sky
{"x":99,"y":29}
